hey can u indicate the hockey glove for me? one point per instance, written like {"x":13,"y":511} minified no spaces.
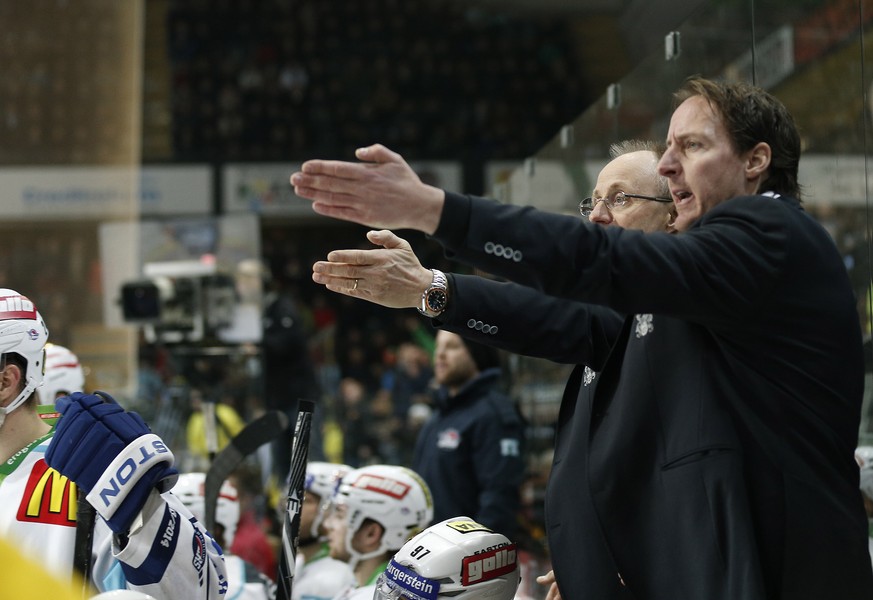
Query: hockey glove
{"x":111,"y":454}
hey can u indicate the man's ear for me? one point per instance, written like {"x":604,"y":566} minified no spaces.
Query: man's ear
{"x":10,"y":378}
{"x":758,"y":161}
{"x":371,"y":535}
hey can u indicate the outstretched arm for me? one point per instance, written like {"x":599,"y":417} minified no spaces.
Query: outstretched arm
{"x":490,"y":312}
{"x":390,"y":276}
{"x":382,"y":191}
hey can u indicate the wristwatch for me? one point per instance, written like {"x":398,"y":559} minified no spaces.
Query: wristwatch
{"x":435,"y":298}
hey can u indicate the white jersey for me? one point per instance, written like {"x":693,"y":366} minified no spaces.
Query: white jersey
{"x":171,"y":556}
{"x":362,"y":592}
{"x":244,"y":582}
{"x":321,"y":577}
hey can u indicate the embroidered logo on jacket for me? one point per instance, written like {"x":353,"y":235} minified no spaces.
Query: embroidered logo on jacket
{"x":49,"y":497}
{"x":448,"y":439}
{"x":588,"y":376}
{"x":644,"y":325}
{"x":509,"y":447}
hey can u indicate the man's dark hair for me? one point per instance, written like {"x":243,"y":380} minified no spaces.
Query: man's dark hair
{"x":752,"y":115}
{"x":14,"y":358}
{"x":485,"y":357}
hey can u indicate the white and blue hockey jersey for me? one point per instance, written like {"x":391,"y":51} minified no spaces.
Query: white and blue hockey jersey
{"x":169,"y":556}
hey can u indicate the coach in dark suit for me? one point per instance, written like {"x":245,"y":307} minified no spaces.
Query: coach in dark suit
{"x":504,"y":314}
{"x":715,"y":459}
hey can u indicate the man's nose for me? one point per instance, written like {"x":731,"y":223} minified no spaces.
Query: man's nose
{"x":600,"y":214}
{"x":667,"y":165}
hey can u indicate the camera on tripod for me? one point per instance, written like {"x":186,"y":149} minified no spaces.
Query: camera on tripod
{"x":180,"y":301}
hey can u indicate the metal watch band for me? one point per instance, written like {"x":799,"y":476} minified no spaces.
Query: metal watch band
{"x":436,"y":292}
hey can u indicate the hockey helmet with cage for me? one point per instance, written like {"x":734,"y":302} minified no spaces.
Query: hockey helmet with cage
{"x":458,"y":559}
{"x":23,"y":333}
{"x":190,"y":489}
{"x":395,"y":497}
{"x":322,"y":479}
{"x":63,"y":374}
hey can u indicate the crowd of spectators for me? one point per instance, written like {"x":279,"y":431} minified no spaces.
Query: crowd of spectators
{"x":429,"y":78}
{"x":277,"y":80}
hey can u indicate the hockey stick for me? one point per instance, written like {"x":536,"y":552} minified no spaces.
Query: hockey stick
{"x":296,"y":479}
{"x":85,"y":516}
{"x":262,"y":430}
{"x":209,"y":417}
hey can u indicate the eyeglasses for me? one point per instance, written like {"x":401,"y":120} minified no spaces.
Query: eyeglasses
{"x":617,"y":202}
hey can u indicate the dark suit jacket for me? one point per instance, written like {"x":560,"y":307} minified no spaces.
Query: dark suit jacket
{"x":713,"y":456}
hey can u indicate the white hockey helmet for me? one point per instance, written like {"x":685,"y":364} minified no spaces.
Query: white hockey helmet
{"x":190,"y":489}
{"x":322,"y":479}
{"x":63,"y":374}
{"x":864,"y":456}
{"x":395,"y":497}
{"x":458,"y":559}
{"x":22,"y":332}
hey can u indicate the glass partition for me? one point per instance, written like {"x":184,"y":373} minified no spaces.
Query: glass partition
{"x":89,"y":87}
{"x":812,"y":55}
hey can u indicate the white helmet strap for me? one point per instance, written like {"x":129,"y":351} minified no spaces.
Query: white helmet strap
{"x":21,"y":398}
{"x":355,"y":556}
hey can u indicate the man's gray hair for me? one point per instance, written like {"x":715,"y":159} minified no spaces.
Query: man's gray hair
{"x":627,"y":146}
{"x":657,"y":148}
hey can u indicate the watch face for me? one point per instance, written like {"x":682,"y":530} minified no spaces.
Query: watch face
{"x":436,"y":300}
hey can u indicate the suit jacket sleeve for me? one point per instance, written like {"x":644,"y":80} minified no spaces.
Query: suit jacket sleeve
{"x":763,"y":279}
{"x":503,"y":315}
{"x":711,"y":274}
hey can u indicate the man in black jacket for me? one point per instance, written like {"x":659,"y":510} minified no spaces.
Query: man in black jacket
{"x":470,"y":451}
{"x":716,"y":457}
{"x":503,"y":314}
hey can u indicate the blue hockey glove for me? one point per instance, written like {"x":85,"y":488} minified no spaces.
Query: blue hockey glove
{"x":111,"y":454}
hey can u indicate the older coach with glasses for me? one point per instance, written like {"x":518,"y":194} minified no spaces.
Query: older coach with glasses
{"x":504,"y":315}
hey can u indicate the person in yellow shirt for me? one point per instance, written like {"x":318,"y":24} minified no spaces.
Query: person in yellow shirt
{"x":228,"y":423}
{"x":24,"y":578}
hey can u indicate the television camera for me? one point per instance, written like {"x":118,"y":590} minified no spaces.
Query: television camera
{"x":180,"y":302}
